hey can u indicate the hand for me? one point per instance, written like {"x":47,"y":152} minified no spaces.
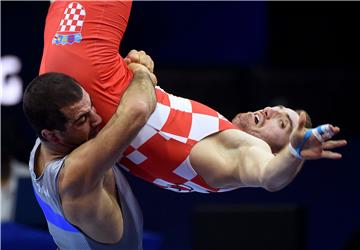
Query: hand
{"x":314,"y":148}
{"x":140,"y":57}
{"x":135,"y":67}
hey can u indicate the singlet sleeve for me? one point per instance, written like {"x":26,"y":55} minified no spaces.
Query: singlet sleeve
{"x":46,"y":190}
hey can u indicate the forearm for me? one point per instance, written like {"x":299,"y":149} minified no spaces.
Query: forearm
{"x":280,"y":170}
{"x":140,"y":96}
{"x":135,"y":108}
{"x":95,"y":157}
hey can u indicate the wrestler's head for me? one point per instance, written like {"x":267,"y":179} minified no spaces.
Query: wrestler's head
{"x":60,"y":111}
{"x":271,"y":124}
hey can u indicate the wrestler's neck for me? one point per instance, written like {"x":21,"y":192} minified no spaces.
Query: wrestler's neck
{"x":52,"y":151}
{"x":275,"y":149}
{"x":44,"y":155}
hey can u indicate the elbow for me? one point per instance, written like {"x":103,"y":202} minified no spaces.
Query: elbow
{"x":271,"y":185}
{"x":140,"y":112}
{"x":272,"y":188}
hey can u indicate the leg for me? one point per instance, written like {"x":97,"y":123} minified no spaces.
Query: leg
{"x":92,"y":58}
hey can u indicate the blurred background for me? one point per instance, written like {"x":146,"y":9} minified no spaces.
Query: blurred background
{"x":232,"y":56}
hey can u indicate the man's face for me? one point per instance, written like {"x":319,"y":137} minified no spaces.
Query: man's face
{"x":83,"y":122}
{"x":271,"y":124}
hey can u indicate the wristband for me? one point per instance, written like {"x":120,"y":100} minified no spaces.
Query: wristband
{"x":295,"y":152}
{"x":321,"y":133}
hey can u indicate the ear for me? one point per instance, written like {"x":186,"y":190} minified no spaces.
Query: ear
{"x":50,"y":135}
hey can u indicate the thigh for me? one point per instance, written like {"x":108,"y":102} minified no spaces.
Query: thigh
{"x":82,"y":39}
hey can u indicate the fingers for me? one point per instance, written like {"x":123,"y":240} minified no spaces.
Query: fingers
{"x":140,"y":57}
{"x":319,"y":143}
{"x":325,"y":132}
{"x":153,"y":79}
{"x":133,"y":57}
{"x":334,"y":129}
{"x":318,"y":153}
{"x":331,"y":155}
{"x":331,"y":145}
{"x":135,"y":67}
{"x":334,"y":144}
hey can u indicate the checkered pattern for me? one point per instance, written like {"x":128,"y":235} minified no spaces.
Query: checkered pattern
{"x":73,"y":19}
{"x":160,"y":152}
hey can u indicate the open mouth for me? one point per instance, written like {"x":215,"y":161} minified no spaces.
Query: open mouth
{"x":256,"y":119}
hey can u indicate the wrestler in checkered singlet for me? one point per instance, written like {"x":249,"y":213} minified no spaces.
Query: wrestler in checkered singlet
{"x":88,"y":51}
{"x":160,"y":152}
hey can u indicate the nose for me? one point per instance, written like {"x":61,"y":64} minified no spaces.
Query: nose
{"x":95,"y":118}
{"x":269,"y":112}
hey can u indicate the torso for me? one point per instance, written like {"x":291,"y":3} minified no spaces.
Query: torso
{"x":107,"y":184}
{"x":160,"y":152}
{"x":101,"y":205}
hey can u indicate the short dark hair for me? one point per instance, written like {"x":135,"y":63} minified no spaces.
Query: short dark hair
{"x":45,"y":96}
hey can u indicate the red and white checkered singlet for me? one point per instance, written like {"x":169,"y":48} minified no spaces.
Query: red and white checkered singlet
{"x":160,"y":152}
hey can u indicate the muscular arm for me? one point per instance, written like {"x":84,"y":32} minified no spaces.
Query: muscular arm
{"x":275,"y":172}
{"x":233,"y":159}
{"x":237,"y":159}
{"x":87,"y":164}
{"x":87,"y":194}
{"x":261,"y":168}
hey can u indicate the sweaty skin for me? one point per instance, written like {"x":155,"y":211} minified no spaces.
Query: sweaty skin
{"x":185,"y":146}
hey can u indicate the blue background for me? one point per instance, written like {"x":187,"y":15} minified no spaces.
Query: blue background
{"x":233,"y":56}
